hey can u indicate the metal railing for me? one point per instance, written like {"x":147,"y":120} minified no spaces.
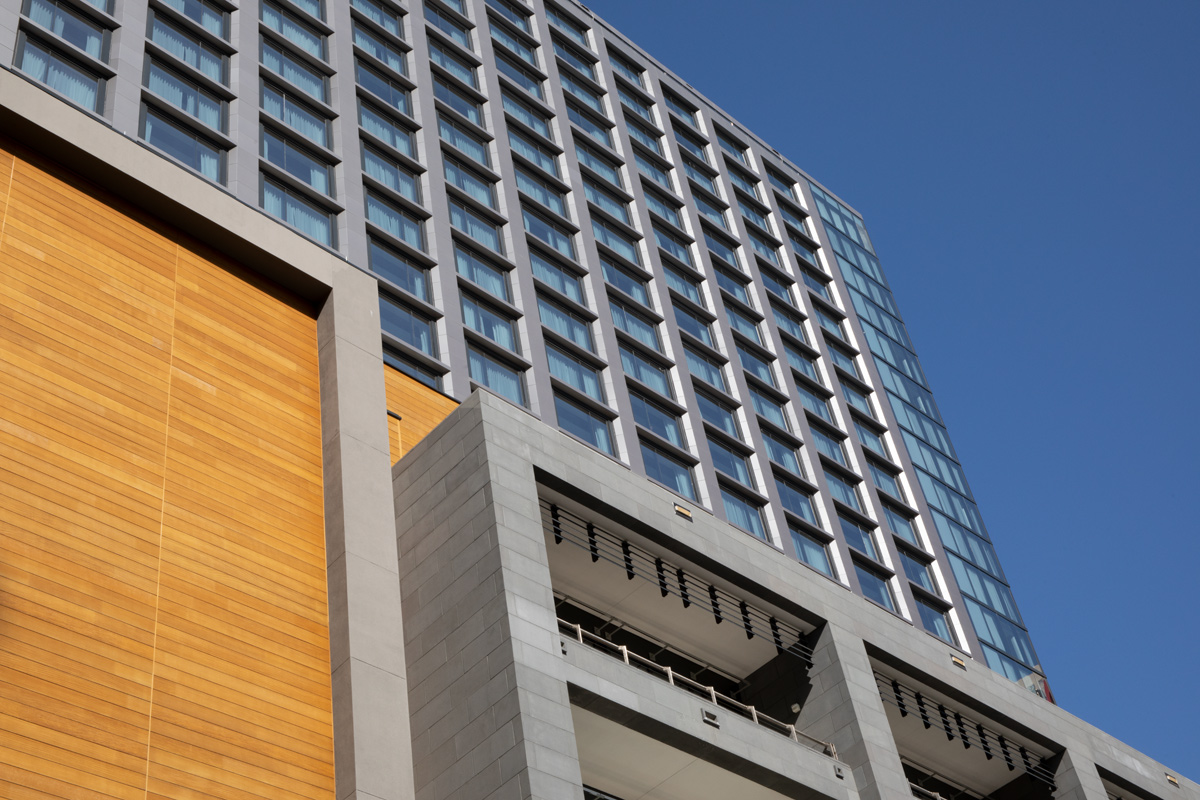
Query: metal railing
{"x":621,"y":652}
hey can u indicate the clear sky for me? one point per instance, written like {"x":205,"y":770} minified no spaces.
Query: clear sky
{"x":1029,"y":175}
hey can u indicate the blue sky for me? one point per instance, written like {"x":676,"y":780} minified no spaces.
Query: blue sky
{"x":1029,"y":174}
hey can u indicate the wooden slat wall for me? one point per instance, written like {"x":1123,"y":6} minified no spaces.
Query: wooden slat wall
{"x":163,"y":617}
{"x":420,"y":409}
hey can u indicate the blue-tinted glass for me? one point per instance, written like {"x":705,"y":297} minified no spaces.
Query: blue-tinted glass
{"x":392,"y":93}
{"x":407,"y":326}
{"x":458,"y":101}
{"x":182,"y":145}
{"x":295,"y":72}
{"x":208,"y":16}
{"x":533,"y":152}
{"x":622,"y":280}
{"x":582,"y":423}
{"x":565,"y":323}
{"x":490,"y":323}
{"x":62,"y":21}
{"x":656,"y":419}
{"x":648,"y":373}
{"x":934,"y":620}
{"x":843,"y":491}
{"x":756,"y":366}
{"x":558,"y":278}
{"x":500,"y":378}
{"x":526,"y":115}
{"x":521,"y":77}
{"x":769,"y":409}
{"x":572,"y":371}
{"x":569,"y":56}
{"x":292,"y":29}
{"x":685,"y":285}
{"x":188,"y":49}
{"x":783,"y":454}
{"x":796,"y":501}
{"x":481,"y":273}
{"x":917,"y":571}
{"x":448,"y":26}
{"x":718,"y":415}
{"x":706,"y":370}
{"x":186,"y":95}
{"x":693,"y":325}
{"x":458,"y":174}
{"x":381,"y":16}
{"x":589,"y":126}
{"x":615,"y":240}
{"x":812,"y":552}
{"x":399,"y":270}
{"x":743,"y":514}
{"x":464,"y":141}
{"x":874,"y":587}
{"x":731,"y":463}
{"x":295,"y":161}
{"x":667,"y":471}
{"x":859,"y":538}
{"x":379,"y":126}
{"x":549,"y":232}
{"x":631,"y":323}
{"x":396,"y":221}
{"x":514,"y":45}
{"x":512,"y":13}
{"x":476,"y":226}
{"x":380,"y":49}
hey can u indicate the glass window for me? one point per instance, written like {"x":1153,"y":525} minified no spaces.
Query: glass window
{"x":562,"y":280}
{"x":858,"y":400}
{"x":61,"y":20}
{"x":668,"y":471}
{"x":901,"y":525}
{"x":757,"y":366}
{"x":675,"y":246}
{"x":640,"y":134}
{"x":613,"y":205}
{"x":843,"y":491}
{"x":871,"y":440}
{"x":756,"y":217}
{"x":934,"y":620}
{"x":499,"y":377}
{"x":633,"y":324}
{"x":685,"y":285}
{"x":523,"y":78}
{"x":734,"y":149}
{"x":789,"y":324}
{"x":702,"y":179}
{"x":460,"y":175}
{"x":645,"y":371}
{"x":711,"y":212}
{"x":818,"y":287}
{"x":718,"y":415}
{"x":475,"y":225}
{"x":525,"y":115}
{"x":407,"y":325}
{"x":296,"y":161}
{"x":549,"y":232}
{"x":796,"y":501}
{"x":858,"y":537}
{"x":616,"y":241}
{"x":803,"y":363}
{"x":539,"y":190}
{"x":656,"y":419}
{"x":769,"y":409}
{"x":451,"y":28}
{"x":746,"y":184}
{"x":744,"y":325}
{"x":458,"y":101}
{"x":875,"y":586}
{"x":631,"y":285}
{"x":764,"y":248}
{"x":815,"y":404}
{"x":668,"y":212}
{"x":570,"y":57}
{"x":381,"y":16}
{"x":595,"y":162}
{"x":383,"y":128}
{"x":387,"y":90}
{"x":777,"y":287}
{"x":829,"y":323}
{"x":392,"y":266}
{"x":783,"y":454}
{"x":574,"y":372}
{"x":584,"y":424}
{"x":918,"y":571}
{"x":721,"y":250}
{"x":844,"y":361}
{"x":584,"y":94}
{"x":691,"y":324}
{"x":570,"y":27}
{"x":297,"y":211}
{"x":481,"y":273}
{"x":186,"y":95}
{"x":685,"y":113}
{"x":299,"y":74}
{"x":565,"y":323}
{"x":390,"y":173}
{"x":293,"y":29}
{"x":690,"y":145}
{"x":653,"y":171}
{"x":295,"y":115}
{"x":514,"y":45}
{"x":533,"y":152}
{"x":589,"y":126}
{"x":642,"y":109}
{"x":782,"y":184}
{"x":706,"y":370}
{"x":829,"y":446}
{"x":397,"y":360}
{"x":396,"y":221}
{"x":181,"y":144}
{"x":803,"y":251}
{"x":730,"y":462}
{"x":458,"y":5}
{"x":812,"y":552}
{"x":490,"y":323}
{"x":187,"y":48}
{"x":790,"y":217}
{"x":511,"y":12}
{"x":626,"y":69}
{"x":743,"y":514}
{"x":205,"y":14}
{"x":733,"y":286}
{"x":370,"y":43}
{"x":885,"y":481}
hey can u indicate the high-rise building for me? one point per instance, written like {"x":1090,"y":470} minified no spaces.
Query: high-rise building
{"x":703,"y":535}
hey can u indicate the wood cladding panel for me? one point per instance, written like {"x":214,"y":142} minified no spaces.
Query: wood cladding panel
{"x":163,"y":612}
{"x":420,"y":409}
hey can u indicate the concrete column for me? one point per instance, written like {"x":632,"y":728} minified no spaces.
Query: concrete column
{"x":372,"y":743}
{"x":1077,"y":779}
{"x":844,"y":707}
{"x":491,"y":716}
